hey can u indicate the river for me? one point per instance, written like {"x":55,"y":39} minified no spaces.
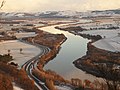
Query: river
{"x":73,"y":48}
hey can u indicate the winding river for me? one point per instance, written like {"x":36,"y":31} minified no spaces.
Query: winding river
{"x":73,"y":48}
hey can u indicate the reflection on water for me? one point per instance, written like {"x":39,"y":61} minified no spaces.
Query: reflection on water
{"x":74,"y":48}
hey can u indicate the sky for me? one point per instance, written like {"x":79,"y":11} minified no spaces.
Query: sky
{"x":55,"y":5}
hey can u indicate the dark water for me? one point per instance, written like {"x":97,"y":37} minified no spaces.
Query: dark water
{"x":73,"y":48}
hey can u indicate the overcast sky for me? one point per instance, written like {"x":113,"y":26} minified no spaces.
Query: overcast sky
{"x":46,"y":5}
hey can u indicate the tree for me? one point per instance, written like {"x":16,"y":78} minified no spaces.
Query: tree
{"x":86,"y":83}
{"x":21,"y":50}
{"x":110,"y":75}
{"x":8,"y":51}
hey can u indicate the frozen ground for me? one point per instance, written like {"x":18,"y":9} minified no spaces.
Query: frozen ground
{"x":63,"y":88}
{"x":1,"y":35}
{"x":111,"y":42}
{"x":106,"y":33}
{"x":25,"y":34}
{"x":28,"y":51}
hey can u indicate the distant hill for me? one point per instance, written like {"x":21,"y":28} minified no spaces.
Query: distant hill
{"x":60,"y":14}
{"x":46,"y":14}
{"x":115,"y":11}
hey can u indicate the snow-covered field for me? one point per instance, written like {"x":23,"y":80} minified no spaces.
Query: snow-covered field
{"x":111,"y":42}
{"x":28,"y":51}
{"x":106,"y":33}
{"x":1,"y":35}
{"x":25,"y":34}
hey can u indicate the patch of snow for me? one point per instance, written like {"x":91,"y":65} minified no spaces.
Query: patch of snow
{"x":20,"y":15}
{"x":15,"y":87}
{"x":1,"y":36}
{"x":63,"y":88}
{"x":84,"y":21}
{"x":67,"y":13}
{"x":9,"y":14}
{"x":25,"y":34}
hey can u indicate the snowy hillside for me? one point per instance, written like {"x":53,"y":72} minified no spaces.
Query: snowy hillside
{"x":61,"y":14}
{"x":46,"y":14}
{"x":14,"y":14}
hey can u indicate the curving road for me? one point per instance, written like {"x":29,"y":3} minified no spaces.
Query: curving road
{"x":32,"y":64}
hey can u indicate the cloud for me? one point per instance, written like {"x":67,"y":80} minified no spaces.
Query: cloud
{"x":101,"y":4}
{"x":77,"y":5}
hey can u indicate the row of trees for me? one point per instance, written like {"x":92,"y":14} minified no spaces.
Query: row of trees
{"x":9,"y":51}
{"x":74,"y":28}
{"x":48,"y":76}
{"x":18,"y":76}
{"x":5,"y":82}
{"x":47,"y":39}
{"x":95,"y":85}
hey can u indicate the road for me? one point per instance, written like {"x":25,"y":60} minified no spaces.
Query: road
{"x":32,"y":63}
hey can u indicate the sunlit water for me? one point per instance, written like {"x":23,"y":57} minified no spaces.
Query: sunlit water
{"x":73,"y":48}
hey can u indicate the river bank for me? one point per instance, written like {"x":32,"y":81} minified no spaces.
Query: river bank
{"x":54,"y":42}
{"x":73,"y":48}
{"x":94,"y":58}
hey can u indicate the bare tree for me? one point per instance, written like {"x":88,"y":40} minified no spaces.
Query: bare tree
{"x":8,"y":51}
{"x":21,"y":50}
{"x":2,"y":4}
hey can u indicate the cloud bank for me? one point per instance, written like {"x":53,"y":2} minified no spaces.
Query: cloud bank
{"x":45,"y":5}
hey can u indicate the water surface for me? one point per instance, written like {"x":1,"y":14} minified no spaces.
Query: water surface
{"x":73,"y":48}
